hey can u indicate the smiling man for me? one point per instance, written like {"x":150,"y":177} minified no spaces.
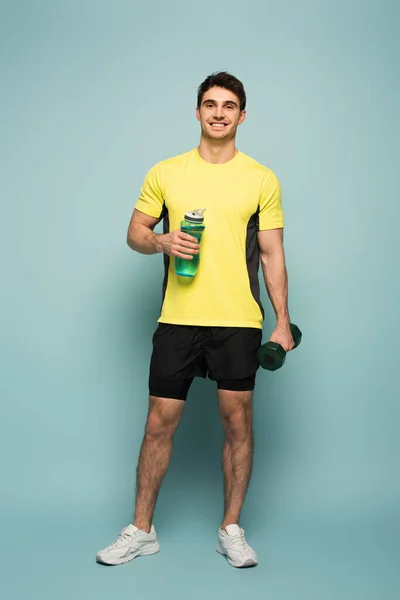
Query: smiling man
{"x":211,"y":325}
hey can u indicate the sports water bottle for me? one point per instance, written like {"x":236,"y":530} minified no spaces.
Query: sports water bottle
{"x":193,"y":225}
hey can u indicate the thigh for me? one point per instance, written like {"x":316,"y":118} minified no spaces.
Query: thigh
{"x":231,"y":355}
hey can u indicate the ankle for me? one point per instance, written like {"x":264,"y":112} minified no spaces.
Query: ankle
{"x":142,"y":525}
{"x":227,"y":522}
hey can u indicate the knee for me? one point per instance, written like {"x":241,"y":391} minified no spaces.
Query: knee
{"x":159,"y":425}
{"x":238,"y":426}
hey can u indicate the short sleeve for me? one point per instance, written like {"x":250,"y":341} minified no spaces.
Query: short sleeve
{"x":270,"y":214}
{"x":151,"y":201}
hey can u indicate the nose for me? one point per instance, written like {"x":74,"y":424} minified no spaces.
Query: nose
{"x":219,"y":112}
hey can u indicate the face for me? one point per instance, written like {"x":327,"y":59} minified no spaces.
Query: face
{"x":219,"y":114}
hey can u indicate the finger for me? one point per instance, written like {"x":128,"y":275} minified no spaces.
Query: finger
{"x":187,"y":244}
{"x":188,"y":250}
{"x":192,"y":247}
{"x":188,"y":238}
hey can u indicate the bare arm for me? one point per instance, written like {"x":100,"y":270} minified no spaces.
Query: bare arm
{"x":141,"y":238}
{"x":140,"y":233}
{"x":272,"y":256}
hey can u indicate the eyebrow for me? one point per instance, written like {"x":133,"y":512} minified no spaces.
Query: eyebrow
{"x":215,"y":102}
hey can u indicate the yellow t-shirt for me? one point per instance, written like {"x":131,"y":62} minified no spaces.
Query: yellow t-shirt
{"x":241,"y":197}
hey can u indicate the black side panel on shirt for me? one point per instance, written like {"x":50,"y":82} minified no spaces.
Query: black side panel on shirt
{"x":253,"y":258}
{"x":165,"y":216}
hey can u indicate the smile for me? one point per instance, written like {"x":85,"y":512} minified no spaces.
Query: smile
{"x":218,"y":125}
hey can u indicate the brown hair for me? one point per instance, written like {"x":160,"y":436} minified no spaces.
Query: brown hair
{"x":224,"y":80}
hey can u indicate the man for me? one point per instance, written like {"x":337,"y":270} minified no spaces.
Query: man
{"x":210,"y":325}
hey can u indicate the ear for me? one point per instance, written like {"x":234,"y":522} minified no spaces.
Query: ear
{"x":198,"y":114}
{"x":242,"y":117}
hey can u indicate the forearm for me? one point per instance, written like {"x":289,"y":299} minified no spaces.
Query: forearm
{"x":276,"y":282}
{"x":144,"y":240}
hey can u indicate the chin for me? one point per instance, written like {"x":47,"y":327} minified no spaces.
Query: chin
{"x":216,"y":136}
{"x":219,"y":136}
{"x":226,"y":136}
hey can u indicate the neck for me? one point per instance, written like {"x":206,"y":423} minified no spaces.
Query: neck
{"x":217,"y":153}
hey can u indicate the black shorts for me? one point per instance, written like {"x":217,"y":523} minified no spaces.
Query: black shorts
{"x":227,"y":355}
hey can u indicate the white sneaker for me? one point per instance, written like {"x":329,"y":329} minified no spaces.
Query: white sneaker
{"x":130,"y":543}
{"x":233,"y":545}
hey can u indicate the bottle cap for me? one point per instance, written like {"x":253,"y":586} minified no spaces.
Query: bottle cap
{"x":195,"y":216}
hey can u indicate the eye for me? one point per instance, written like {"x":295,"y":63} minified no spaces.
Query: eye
{"x":230,"y":106}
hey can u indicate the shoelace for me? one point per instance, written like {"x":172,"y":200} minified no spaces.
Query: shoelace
{"x":238,"y":541}
{"x":122,"y":539}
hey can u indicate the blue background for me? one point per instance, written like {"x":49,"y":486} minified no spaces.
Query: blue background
{"x":93,"y":93}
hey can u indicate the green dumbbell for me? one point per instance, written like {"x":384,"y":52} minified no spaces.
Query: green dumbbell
{"x":271,"y":356}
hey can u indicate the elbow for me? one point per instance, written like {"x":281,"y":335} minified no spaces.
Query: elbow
{"x":130,"y":240}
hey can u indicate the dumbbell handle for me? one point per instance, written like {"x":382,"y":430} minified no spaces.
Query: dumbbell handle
{"x":272,"y":349}
{"x":296,"y":334}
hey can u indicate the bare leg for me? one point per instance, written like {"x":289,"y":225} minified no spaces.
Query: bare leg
{"x":237,"y":460}
{"x":155,"y":454}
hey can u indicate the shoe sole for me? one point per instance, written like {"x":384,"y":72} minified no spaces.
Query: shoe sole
{"x":146,"y":551}
{"x":250,"y":562}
